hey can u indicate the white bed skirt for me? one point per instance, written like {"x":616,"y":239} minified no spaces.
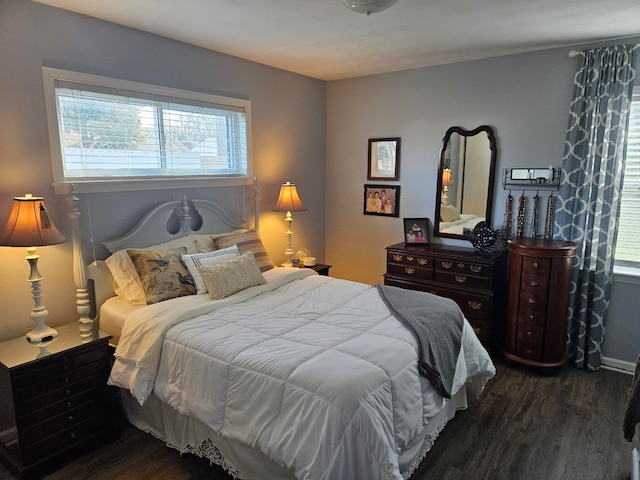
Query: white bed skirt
{"x":189,"y":435}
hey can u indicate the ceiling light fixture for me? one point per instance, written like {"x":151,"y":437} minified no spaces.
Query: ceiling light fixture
{"x":368,"y":6}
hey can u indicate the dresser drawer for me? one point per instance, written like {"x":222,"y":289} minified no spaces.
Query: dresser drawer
{"x":482,"y":330}
{"x":410,"y":271}
{"x":457,"y":266}
{"x":536,"y":265}
{"x":474,"y":306}
{"x":462,"y":280}
{"x":410,"y":259}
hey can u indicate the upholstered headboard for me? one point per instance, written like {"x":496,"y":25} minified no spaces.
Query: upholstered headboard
{"x":165,"y":222}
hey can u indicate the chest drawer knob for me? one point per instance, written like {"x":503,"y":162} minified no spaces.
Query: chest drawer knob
{"x":529,"y":334}
{"x":532,"y":300}
{"x":534,"y":283}
{"x":423,"y":261}
{"x":67,"y":392}
{"x":474,"y":305}
{"x":69,"y":404}
{"x":447,"y":265}
{"x":461,"y":278}
{"x":397,"y":258}
{"x":410,"y":271}
{"x":475,"y":268}
{"x":530,"y":317}
{"x":535,"y":265}
{"x":70,"y":418}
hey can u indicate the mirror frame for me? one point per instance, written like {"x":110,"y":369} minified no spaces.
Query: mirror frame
{"x":492,"y":170}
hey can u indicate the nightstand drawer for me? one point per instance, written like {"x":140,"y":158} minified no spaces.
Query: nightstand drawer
{"x":58,"y":394}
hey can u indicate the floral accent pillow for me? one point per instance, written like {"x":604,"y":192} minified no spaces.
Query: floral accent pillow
{"x":231,"y":276}
{"x":162,"y":274}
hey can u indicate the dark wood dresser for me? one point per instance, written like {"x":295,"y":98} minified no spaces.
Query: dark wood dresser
{"x":476,"y":282}
{"x":55,"y":400}
{"x":539,"y":282}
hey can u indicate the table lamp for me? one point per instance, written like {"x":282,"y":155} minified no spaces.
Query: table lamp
{"x":447,"y":181}
{"x":29,"y":226}
{"x":289,"y":201}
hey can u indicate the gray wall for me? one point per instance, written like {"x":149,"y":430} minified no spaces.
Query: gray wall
{"x":524,"y":98}
{"x":288,"y":140}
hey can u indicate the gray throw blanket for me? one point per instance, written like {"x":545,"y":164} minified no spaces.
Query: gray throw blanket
{"x":436,"y":322}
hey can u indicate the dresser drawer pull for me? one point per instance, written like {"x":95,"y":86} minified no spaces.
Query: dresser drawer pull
{"x":532,"y":301}
{"x":433,"y":292}
{"x":529,"y":334}
{"x":69,"y":405}
{"x":447,"y":265}
{"x":474,"y":305}
{"x":461,"y":278}
{"x":410,"y":258}
{"x":535,"y":265}
{"x":410,"y":271}
{"x":67,"y":393}
{"x":534,"y":283}
{"x":461,"y":265}
{"x":475,"y":268}
{"x":72,"y":435}
{"x":530,"y":317}
{"x":70,"y":418}
{"x":423,"y":261}
{"x":528,"y":350}
{"x":477,"y":330}
{"x":397,"y":258}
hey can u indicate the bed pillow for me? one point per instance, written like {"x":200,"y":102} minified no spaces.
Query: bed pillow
{"x":127,"y":283}
{"x":449,"y":213}
{"x":162,"y":274}
{"x":195,"y":260}
{"x":206,"y":242}
{"x":231,"y":276}
{"x":247,"y":242}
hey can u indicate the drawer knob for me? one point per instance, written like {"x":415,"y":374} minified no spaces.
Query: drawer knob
{"x":423,"y":261}
{"x":474,"y":305}
{"x":410,"y":258}
{"x":447,"y":265}
{"x":476,"y":330}
{"x":69,"y":405}
{"x":461,"y":278}
{"x":72,"y":435}
{"x":528,"y":350}
{"x":529,"y":334}
{"x":410,"y":271}
{"x":67,"y":392}
{"x":432,"y":292}
{"x":70,"y":418}
{"x":535,"y":265}
{"x":530,"y":317}
{"x":534,"y":283}
{"x":532,"y":300}
{"x":397,"y":258}
{"x":475,"y":268}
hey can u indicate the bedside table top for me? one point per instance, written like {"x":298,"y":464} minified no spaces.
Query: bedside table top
{"x":18,"y":351}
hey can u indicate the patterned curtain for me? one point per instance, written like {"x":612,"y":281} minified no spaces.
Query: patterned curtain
{"x":589,"y":198}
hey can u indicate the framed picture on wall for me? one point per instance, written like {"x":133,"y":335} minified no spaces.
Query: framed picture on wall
{"x":416,"y":231}
{"x":383,"y":159}
{"x":382,"y":200}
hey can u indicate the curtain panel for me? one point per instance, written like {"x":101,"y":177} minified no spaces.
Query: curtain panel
{"x":588,"y":206}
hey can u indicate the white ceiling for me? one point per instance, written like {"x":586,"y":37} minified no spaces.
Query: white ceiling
{"x":325,"y":40}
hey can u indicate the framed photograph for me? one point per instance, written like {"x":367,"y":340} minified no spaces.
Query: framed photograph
{"x":416,"y":231}
{"x":382,"y":200}
{"x":384,"y":159}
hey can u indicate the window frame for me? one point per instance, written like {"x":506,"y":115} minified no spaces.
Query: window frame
{"x":54,"y":76}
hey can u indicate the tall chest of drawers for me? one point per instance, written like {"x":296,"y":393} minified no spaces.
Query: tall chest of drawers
{"x":476,"y":282}
{"x":539,"y":282}
{"x":55,"y":400}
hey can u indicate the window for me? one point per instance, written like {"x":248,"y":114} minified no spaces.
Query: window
{"x":107,"y":132}
{"x":628,"y":243}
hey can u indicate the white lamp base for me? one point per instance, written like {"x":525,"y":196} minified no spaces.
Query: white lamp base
{"x":39,"y":335}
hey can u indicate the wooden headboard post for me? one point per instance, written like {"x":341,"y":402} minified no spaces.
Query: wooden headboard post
{"x":83,"y":303}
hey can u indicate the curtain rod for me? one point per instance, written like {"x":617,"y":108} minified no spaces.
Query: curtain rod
{"x":575,"y":53}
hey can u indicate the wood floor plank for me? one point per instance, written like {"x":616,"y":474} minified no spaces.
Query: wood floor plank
{"x":526,"y":425}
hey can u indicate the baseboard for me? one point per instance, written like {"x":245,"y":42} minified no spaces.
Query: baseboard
{"x":618,"y":365}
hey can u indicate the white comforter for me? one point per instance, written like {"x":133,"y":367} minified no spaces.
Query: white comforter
{"x":312,"y":371}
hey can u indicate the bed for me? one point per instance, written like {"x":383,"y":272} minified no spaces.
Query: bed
{"x":295,"y":376}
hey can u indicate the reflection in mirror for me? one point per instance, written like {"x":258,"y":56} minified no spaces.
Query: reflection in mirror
{"x":465,"y":180}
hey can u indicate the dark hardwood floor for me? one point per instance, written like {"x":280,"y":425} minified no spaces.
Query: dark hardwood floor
{"x":526,"y":425}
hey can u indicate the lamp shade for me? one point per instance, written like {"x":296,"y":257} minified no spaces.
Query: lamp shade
{"x":447,"y":179}
{"x":289,"y":200}
{"x":29,"y":225}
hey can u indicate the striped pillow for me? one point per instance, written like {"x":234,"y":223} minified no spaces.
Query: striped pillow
{"x":247,"y":242}
{"x":196,"y":260}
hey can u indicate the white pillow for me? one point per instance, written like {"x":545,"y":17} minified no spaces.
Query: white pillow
{"x":205,"y":242}
{"x":206,"y":259}
{"x":127,"y":283}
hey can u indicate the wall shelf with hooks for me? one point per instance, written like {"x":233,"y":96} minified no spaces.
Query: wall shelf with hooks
{"x":531,"y":178}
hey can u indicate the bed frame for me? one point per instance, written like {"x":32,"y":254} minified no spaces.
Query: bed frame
{"x":167,"y":221}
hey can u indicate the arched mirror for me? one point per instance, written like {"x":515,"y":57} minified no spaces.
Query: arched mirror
{"x":465,"y":180}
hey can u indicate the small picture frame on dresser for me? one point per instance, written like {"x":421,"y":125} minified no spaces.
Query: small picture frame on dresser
{"x":416,"y":231}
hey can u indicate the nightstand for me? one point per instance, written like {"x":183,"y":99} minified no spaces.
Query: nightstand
{"x":321,"y":268}
{"x":55,"y":401}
